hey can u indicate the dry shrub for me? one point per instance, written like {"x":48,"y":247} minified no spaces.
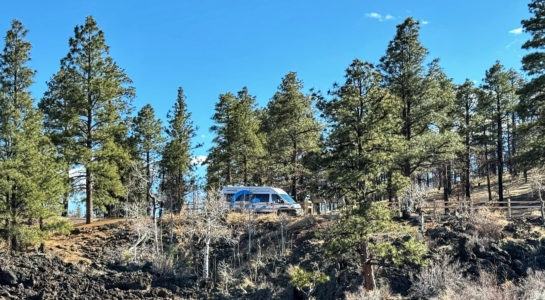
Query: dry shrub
{"x":485,"y":287}
{"x":169,"y":218}
{"x":487,"y":224}
{"x":240,"y":219}
{"x":533,"y":286}
{"x":381,"y":293}
{"x":442,"y":280}
{"x":441,"y":275}
{"x":306,"y":222}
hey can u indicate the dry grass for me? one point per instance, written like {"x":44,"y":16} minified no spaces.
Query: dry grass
{"x":487,"y":224}
{"x":443,"y":280}
{"x":513,"y":186}
{"x":239,"y":219}
{"x":381,"y":293}
{"x":440,"y":276}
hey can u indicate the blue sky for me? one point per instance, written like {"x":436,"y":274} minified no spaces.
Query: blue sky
{"x":212,"y":47}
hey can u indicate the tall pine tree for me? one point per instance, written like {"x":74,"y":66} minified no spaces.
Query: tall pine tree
{"x":465,"y":109}
{"x":235,"y":157}
{"x":363,"y":136}
{"x":93,"y":94}
{"x":220,"y":161}
{"x":148,"y":139}
{"x":496,"y":103}
{"x":30,"y":184}
{"x":426,"y":95}
{"x":292,"y":133}
{"x":176,"y":161}
{"x":532,"y":94}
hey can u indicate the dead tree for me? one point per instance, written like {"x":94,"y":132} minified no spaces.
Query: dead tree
{"x":413,"y":199}
{"x":207,"y":225}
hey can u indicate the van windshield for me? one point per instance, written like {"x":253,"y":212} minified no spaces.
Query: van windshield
{"x":287,"y":198}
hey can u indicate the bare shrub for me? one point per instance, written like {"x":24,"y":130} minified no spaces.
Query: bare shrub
{"x":205,"y":226}
{"x":381,"y":293}
{"x":412,"y":200}
{"x":441,"y":275}
{"x":486,"y":223}
{"x":485,"y":287}
{"x":533,"y":286}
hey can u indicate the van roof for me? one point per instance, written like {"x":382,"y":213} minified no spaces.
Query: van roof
{"x":255,"y":189}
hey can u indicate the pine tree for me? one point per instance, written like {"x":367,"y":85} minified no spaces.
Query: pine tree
{"x":221,"y":157}
{"x":292,"y":133}
{"x":369,"y":236}
{"x":176,"y":162}
{"x":466,"y":101}
{"x":362,"y":138}
{"x":426,"y":95}
{"x":238,"y":143}
{"x":148,"y":139}
{"x":497,"y":101}
{"x":30,"y":186}
{"x":94,"y":94}
{"x":533,"y":98}
{"x":248,"y":140}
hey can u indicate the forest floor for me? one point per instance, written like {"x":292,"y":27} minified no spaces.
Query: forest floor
{"x":90,"y":263}
{"x":515,"y":187}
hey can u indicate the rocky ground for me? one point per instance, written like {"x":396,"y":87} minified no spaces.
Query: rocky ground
{"x":86,"y":265}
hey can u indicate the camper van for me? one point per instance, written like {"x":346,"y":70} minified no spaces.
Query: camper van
{"x":262,"y":199}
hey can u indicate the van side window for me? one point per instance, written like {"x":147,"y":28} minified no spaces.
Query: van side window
{"x":261,"y":197}
{"x":276,"y":198}
{"x":243,"y":197}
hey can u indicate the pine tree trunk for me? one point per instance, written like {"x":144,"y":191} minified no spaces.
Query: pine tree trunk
{"x":89,"y":197}
{"x":42,"y":245}
{"x":428,"y":179}
{"x":488,"y":180}
{"x":245,"y":162}
{"x":367,"y":269}
{"x":445,"y":184}
{"x":66,"y":200}
{"x":467,"y":180}
{"x":293,"y":175}
{"x":499,"y":152}
{"x":390,"y":187}
{"x":513,"y":144}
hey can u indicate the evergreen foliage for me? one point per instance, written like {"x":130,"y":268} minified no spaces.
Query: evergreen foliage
{"x":87,"y":101}
{"x":177,"y":158}
{"x":30,"y":185}
{"x":292,"y":133}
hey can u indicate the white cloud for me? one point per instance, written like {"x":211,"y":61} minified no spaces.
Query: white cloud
{"x":425,"y":22}
{"x":198,"y":159}
{"x":203,"y":136}
{"x":516,"y":31}
{"x":374,"y":15}
{"x":379,"y":17}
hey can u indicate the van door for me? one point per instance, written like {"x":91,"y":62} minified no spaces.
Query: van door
{"x":276,"y":202}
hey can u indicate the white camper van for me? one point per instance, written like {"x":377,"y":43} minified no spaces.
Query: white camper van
{"x":263,"y":199}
